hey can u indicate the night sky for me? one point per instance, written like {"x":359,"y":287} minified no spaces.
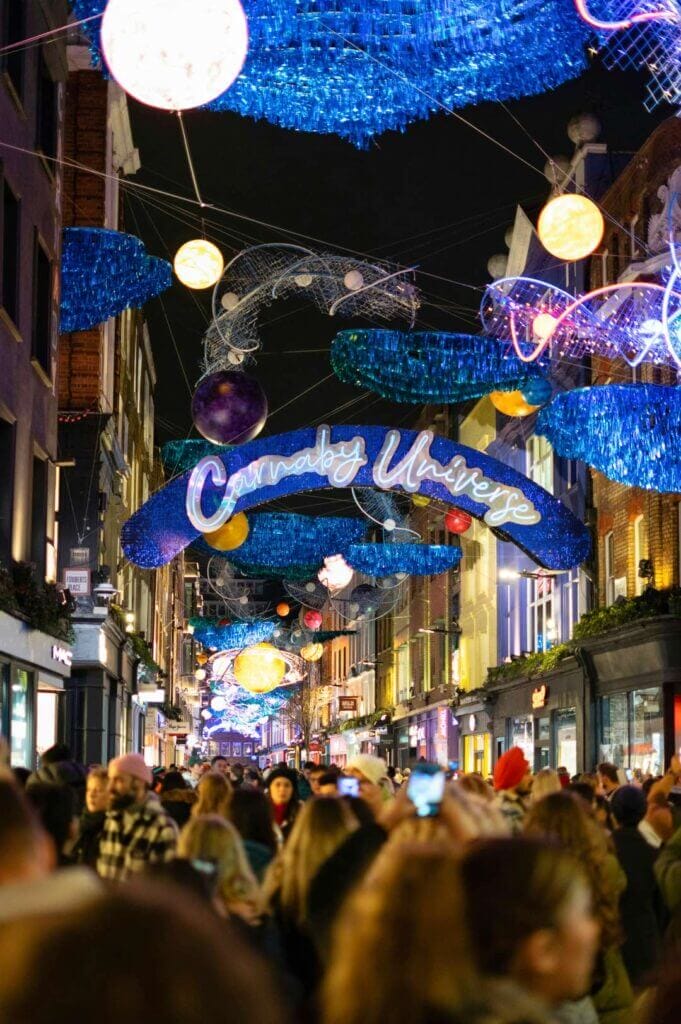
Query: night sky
{"x":440,"y":196}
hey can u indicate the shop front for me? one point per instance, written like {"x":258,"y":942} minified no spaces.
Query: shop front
{"x":431,"y":734}
{"x":476,"y":739}
{"x":544,"y":716}
{"x":33,"y":668}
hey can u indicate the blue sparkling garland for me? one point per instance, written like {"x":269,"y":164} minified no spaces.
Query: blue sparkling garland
{"x":424,"y":366}
{"x":360,"y":68}
{"x":245,"y":711}
{"x":179,"y":456}
{"x":629,"y":432}
{"x":104,"y":272}
{"x":210,"y":633}
{"x":414,"y":559}
{"x":284,"y":544}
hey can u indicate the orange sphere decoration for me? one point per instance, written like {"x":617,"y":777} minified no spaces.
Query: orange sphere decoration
{"x":512,"y":403}
{"x":283,"y":609}
{"x":259,"y":668}
{"x":311,"y":652}
{"x":202,"y":658}
{"x":312,"y":619}
{"x":230,"y":535}
{"x":457,"y":521}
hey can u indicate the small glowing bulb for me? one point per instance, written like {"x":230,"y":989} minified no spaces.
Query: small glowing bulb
{"x":543,"y":326}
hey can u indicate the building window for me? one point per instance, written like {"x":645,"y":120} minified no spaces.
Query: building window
{"x":565,"y":738}
{"x":39,"y":515}
{"x":522,"y":735}
{"x":41,"y":348}
{"x":541,"y":614}
{"x":7,"y":489}
{"x":540,"y":462}
{"x":13,"y":31}
{"x":640,"y":551}
{"x":10,"y":251}
{"x":570,"y":602}
{"x":609,"y":558}
{"x":631,"y":730}
{"x":47,"y":111}
{"x":568,"y":472}
{"x":20,"y":719}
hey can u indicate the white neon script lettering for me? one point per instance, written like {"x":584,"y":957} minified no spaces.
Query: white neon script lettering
{"x":506,"y":504}
{"x":339,"y":463}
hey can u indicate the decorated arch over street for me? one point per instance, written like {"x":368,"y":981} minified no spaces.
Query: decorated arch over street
{"x":219,"y":486}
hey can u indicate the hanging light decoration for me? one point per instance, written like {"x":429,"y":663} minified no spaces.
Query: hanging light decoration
{"x":312,"y":652}
{"x":224,"y":635}
{"x":415,"y":559}
{"x":335,"y":573}
{"x":283,"y":609}
{"x":457,"y":521}
{"x":174,"y":54}
{"x":570,"y":227}
{"x":511,"y":403}
{"x":230,"y":535}
{"x":312,"y":619}
{"x":629,"y":432}
{"x":260,"y":668}
{"x":229,"y":407}
{"x":198,"y":264}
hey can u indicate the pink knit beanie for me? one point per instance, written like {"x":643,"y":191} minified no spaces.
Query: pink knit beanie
{"x":131,"y":764}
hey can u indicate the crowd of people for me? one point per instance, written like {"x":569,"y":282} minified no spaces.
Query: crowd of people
{"x":335,"y":896}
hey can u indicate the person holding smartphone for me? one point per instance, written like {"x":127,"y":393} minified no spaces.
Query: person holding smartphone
{"x":372,"y":775}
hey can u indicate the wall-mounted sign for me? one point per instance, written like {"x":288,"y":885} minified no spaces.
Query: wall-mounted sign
{"x":403,"y":460}
{"x":540,"y":695}
{"x":77,"y":581}
{"x":79,"y":556}
{"x":62,"y":654}
{"x":472,"y":723}
{"x":347,"y":703}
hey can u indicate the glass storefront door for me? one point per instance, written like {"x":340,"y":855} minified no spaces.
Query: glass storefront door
{"x":20,"y":718}
{"x":565,"y":739}
{"x":631,"y":730}
{"x":522,"y":735}
{"x":477,"y":750}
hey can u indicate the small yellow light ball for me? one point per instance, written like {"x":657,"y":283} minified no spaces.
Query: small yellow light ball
{"x":570,"y":227}
{"x":230,"y":535}
{"x":199,"y":264}
{"x":259,"y":668}
{"x":420,"y":500}
{"x":543,"y":326}
{"x":511,"y":403}
{"x":311,"y":652}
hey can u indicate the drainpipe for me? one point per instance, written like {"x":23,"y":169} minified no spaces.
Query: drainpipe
{"x":589,"y":680}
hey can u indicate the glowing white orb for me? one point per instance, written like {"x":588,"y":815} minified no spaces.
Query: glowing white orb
{"x":353,"y":281}
{"x":336,"y":573}
{"x":174,"y":54}
{"x":303,"y":280}
{"x":543,"y":326}
{"x":218,"y":703}
{"x":389,"y":525}
{"x":570,"y":227}
{"x":229,"y":301}
{"x":198,"y":263}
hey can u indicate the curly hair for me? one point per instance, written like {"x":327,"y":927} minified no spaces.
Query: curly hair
{"x":566,"y":819}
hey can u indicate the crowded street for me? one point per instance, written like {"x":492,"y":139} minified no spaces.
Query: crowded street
{"x":340,"y":511}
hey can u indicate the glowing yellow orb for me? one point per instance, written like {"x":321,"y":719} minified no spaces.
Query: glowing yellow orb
{"x":511,"y":403}
{"x":259,"y":668}
{"x":311,"y":652}
{"x":199,"y":264}
{"x":570,"y":227}
{"x":420,"y":500}
{"x":230,"y":535}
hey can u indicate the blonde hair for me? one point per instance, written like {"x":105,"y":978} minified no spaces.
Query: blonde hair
{"x":320,"y":828}
{"x":544,"y":783}
{"x":389,"y":961}
{"x":215,"y":795}
{"x":209,"y":837}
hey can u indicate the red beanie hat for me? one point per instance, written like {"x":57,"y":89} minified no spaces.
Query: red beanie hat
{"x":510,"y":769}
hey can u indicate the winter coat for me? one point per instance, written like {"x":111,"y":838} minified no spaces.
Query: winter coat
{"x":259,"y":857}
{"x":86,"y":847}
{"x":612,"y":994}
{"x":178,"y":804}
{"x":668,"y":874}
{"x":501,"y":1002}
{"x":640,"y":905}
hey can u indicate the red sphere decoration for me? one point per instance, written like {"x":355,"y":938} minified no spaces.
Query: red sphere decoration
{"x":312,"y":619}
{"x":224,"y":622}
{"x":457,"y":521}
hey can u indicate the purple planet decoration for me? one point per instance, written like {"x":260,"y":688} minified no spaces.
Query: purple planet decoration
{"x":229,"y":407}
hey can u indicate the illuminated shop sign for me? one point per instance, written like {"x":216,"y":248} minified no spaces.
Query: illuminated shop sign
{"x":63,"y":655}
{"x":263,"y":470}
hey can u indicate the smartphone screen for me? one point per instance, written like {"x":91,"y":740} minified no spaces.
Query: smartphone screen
{"x":425,"y":789}
{"x":348,"y":786}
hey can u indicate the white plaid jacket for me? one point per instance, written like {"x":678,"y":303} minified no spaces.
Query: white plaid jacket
{"x":131,"y":841}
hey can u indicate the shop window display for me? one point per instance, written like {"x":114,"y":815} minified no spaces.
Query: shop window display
{"x":565,"y":726}
{"x":632,"y":730}
{"x":19,"y":725}
{"x":522,"y":735}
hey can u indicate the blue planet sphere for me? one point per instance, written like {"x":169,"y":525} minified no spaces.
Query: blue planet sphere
{"x":537,"y":391}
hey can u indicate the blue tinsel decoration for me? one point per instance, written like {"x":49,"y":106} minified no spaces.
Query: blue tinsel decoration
{"x":414,"y":559}
{"x":284,"y":544}
{"x":629,"y":432}
{"x":104,"y":272}
{"x":244,"y":711}
{"x":238,"y":634}
{"x":359,"y":68}
{"x":424,"y":366}
{"x":179,"y":456}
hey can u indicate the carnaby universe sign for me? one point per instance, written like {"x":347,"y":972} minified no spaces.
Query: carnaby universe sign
{"x":253,"y":474}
